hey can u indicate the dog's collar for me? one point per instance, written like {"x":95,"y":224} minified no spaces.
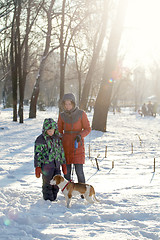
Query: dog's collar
{"x":66,"y":185}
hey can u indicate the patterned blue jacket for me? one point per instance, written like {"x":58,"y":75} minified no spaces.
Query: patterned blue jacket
{"x":49,"y":150}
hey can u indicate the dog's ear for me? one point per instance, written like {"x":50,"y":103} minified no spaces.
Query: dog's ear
{"x":58,"y":179}
{"x":55,"y":178}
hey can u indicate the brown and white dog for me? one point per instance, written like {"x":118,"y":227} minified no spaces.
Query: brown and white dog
{"x":69,"y":189}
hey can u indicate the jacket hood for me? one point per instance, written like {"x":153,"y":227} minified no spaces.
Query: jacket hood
{"x":69,"y":96}
{"x":49,"y":123}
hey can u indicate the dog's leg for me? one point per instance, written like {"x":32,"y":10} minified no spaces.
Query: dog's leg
{"x":68,"y":201}
{"x":68,"y":198}
{"x":89,"y":194}
{"x":89,"y":199}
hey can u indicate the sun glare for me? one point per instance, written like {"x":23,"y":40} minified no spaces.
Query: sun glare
{"x":142,"y":31}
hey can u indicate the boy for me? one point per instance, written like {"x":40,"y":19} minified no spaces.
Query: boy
{"x":48,"y":156}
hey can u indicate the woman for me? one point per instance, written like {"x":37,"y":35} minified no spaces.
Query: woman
{"x":74,"y":125}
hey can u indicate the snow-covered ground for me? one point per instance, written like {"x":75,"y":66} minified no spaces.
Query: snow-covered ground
{"x":129,"y":193}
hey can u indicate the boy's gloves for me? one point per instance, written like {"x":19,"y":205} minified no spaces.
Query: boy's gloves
{"x":38,"y":172}
{"x":64,"y":169}
{"x":78,"y":138}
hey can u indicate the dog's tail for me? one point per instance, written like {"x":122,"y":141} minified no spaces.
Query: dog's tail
{"x":94,"y":196}
{"x":92,"y":192}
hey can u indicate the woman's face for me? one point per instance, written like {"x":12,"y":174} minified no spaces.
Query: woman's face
{"x":68,"y":105}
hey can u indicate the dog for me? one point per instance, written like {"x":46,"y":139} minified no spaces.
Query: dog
{"x":69,"y":189}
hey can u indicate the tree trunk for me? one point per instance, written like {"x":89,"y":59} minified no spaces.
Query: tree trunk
{"x":34,"y":97}
{"x":19,"y":66}
{"x":13,"y":57}
{"x":7,"y":92}
{"x":88,"y":81}
{"x":62,"y":63}
{"x":23,"y":76}
{"x":103,"y":99}
{"x":80,"y":84}
{"x":35,"y":93}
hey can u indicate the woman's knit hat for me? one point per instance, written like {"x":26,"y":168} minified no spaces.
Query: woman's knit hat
{"x":69,"y":96}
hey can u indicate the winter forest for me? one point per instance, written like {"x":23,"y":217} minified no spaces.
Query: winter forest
{"x":107,"y":53}
{"x":96,"y":49}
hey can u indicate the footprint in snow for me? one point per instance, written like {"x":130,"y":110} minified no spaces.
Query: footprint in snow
{"x":10,"y":176}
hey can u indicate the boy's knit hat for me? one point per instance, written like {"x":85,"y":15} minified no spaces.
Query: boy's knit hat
{"x":49,"y":123}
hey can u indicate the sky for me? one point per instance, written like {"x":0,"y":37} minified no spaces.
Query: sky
{"x":142,"y":33}
{"x":128,"y":193}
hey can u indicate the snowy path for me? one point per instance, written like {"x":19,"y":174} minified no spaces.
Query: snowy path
{"x":129,"y":193}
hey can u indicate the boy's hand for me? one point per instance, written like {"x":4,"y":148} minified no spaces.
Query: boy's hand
{"x":38,"y":172}
{"x":64,"y":169}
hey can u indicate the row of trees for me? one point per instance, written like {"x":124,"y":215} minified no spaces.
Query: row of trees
{"x":86,"y":31}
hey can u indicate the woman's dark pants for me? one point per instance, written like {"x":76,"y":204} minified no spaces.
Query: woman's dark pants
{"x":78,"y":170}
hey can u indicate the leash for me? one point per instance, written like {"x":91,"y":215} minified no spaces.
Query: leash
{"x":72,"y":172}
{"x":92,"y":176}
{"x":66,"y":185}
{"x":70,"y":180}
{"x":95,"y":172}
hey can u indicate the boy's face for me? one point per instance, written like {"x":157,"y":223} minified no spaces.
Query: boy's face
{"x":50,"y":132}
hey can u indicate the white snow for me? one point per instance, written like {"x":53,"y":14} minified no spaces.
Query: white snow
{"x":129,"y":193}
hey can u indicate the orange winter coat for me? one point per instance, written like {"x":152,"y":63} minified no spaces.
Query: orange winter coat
{"x":70,"y":125}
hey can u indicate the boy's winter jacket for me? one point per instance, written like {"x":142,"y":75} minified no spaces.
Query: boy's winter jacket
{"x":49,"y":150}
{"x":72,"y":124}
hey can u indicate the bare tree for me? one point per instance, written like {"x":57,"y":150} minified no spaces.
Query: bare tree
{"x":139,"y":85}
{"x":6,"y":8}
{"x":104,"y":96}
{"x":5,"y":78}
{"x":71,"y":23}
{"x":62,"y":58}
{"x":35,"y":93}
{"x":14,"y":63}
{"x":79,"y":71}
{"x":100,"y":35}
{"x":19,"y":51}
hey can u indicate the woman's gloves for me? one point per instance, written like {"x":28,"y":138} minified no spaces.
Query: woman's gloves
{"x":78,"y":138}
{"x":38,"y":172}
{"x":64,"y":169}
